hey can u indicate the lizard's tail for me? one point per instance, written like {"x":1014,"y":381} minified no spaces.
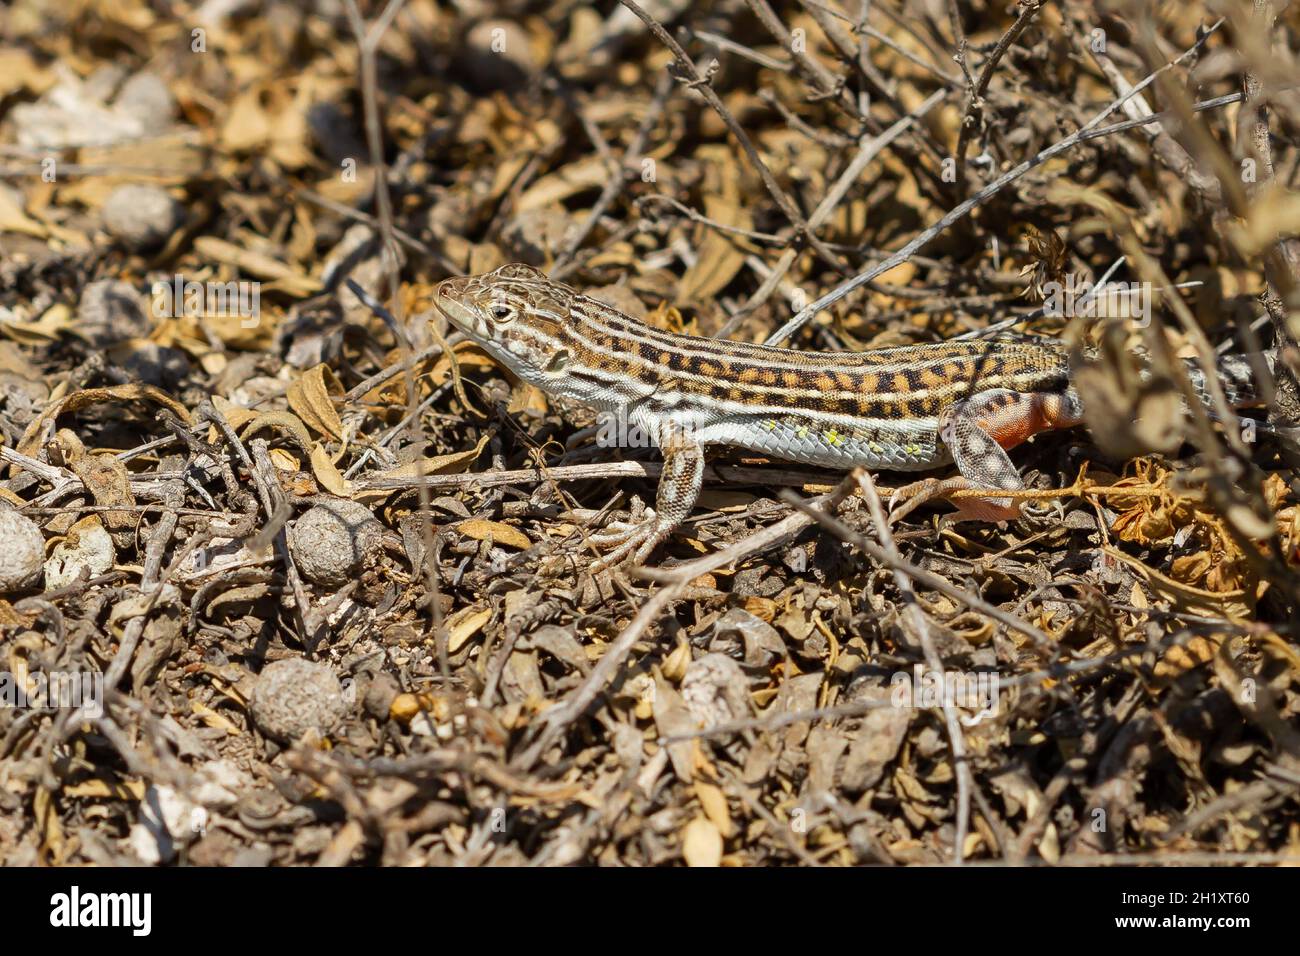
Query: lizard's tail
{"x":1237,"y":376}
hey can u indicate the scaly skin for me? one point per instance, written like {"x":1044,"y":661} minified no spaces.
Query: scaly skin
{"x":910,"y":408}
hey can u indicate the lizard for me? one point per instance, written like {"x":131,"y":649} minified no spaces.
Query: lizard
{"x":902,"y":408}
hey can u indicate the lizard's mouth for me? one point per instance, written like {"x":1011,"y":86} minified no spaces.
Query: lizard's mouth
{"x":449,"y":297}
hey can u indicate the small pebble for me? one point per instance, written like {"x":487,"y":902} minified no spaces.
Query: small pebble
{"x":716,"y":690}
{"x":111,"y":311}
{"x":145,"y":97}
{"x":142,"y":217}
{"x":498,"y":55}
{"x":380,"y":694}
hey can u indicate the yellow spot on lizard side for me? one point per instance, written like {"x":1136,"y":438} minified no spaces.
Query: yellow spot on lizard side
{"x":770,"y":424}
{"x":913,"y":449}
{"x":876,"y":447}
{"x":802,"y":432}
{"x":833,"y":437}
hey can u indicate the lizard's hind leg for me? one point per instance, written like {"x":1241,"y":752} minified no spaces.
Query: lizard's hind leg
{"x":977,"y":432}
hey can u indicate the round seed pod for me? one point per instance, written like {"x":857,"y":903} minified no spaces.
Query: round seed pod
{"x":333,"y":540}
{"x":293,"y":697}
{"x":22,"y":552}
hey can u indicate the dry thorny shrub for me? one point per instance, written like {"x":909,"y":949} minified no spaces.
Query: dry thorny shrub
{"x":253,"y":502}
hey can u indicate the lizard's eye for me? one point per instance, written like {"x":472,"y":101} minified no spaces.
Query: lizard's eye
{"x":501,"y":312}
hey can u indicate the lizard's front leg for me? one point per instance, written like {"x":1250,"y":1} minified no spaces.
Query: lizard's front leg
{"x":679,"y":486}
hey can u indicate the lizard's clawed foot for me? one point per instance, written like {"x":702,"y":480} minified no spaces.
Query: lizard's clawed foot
{"x":616,"y":532}
{"x":679,"y":486}
{"x":631,"y":540}
{"x":908,"y":498}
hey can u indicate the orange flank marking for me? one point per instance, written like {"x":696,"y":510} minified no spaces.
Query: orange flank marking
{"x":1019,"y":421}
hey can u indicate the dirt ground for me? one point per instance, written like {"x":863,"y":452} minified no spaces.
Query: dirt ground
{"x":292,"y":575}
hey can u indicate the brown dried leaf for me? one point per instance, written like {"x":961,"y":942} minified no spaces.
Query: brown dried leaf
{"x":1129,"y":413}
{"x":283,"y":277}
{"x":464,"y":624}
{"x":701,"y":843}
{"x":105,"y":477}
{"x":714,"y":804}
{"x":480,"y":529}
{"x":282,"y":421}
{"x":133,"y":392}
{"x":328,"y":474}
{"x":309,"y":396}
{"x":720,"y":257}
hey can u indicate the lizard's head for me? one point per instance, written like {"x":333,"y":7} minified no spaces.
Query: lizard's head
{"x":516,"y":314}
